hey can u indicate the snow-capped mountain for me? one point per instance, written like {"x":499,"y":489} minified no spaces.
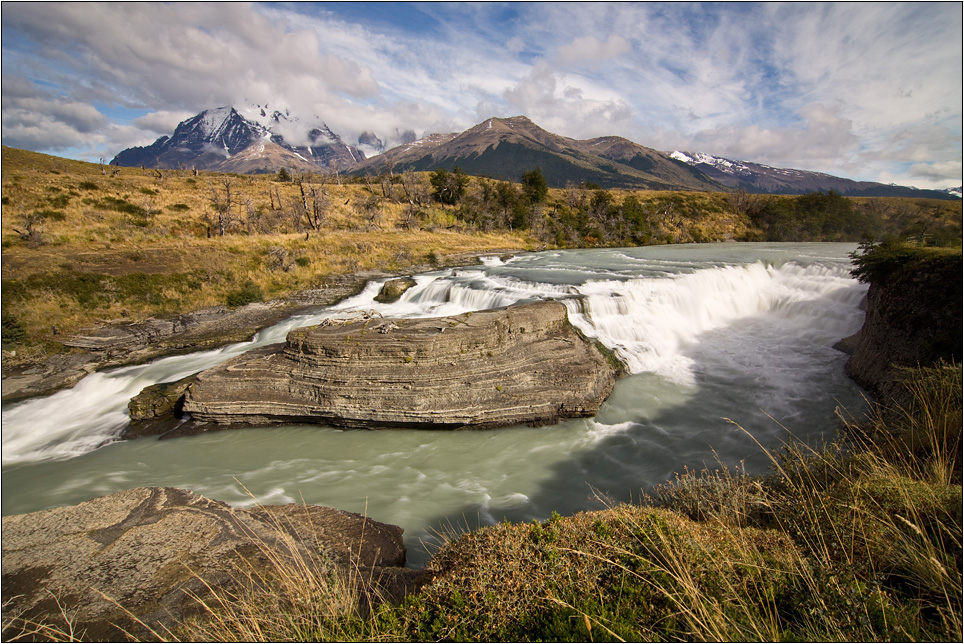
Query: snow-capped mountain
{"x":222,"y":139}
{"x":263,"y":139}
{"x":955,"y":192}
{"x":759,"y":178}
{"x":372,"y":145}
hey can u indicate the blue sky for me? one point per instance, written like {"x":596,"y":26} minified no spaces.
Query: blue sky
{"x":867,"y":90}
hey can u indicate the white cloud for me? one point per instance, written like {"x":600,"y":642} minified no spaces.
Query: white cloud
{"x":162,"y":121}
{"x":589,"y":50}
{"x":869,"y":89}
{"x":938,"y":173}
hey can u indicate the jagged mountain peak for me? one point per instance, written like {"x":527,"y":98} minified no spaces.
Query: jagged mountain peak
{"x":212,"y":138}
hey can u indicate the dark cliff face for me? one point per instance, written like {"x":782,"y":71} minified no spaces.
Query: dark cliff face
{"x":913,"y":318}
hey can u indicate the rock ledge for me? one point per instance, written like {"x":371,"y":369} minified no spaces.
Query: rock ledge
{"x":520,"y":364}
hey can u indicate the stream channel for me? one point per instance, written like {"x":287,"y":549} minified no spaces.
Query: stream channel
{"x":729,"y":348}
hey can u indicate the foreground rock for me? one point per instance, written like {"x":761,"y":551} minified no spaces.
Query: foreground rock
{"x":147,"y":550}
{"x":521,"y":364}
{"x":393,"y":290}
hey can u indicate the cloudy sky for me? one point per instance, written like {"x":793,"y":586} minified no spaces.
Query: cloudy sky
{"x":865,"y":90}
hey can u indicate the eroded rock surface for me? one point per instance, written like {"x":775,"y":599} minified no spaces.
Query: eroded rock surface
{"x":913,"y":319}
{"x":146,"y":550}
{"x":521,"y":364}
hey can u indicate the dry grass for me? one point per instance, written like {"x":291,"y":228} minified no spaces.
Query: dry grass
{"x":292,"y":595}
{"x":849,"y":542}
{"x":118,"y":224}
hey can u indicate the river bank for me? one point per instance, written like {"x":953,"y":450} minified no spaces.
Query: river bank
{"x":116,"y":343}
{"x":855,"y":540}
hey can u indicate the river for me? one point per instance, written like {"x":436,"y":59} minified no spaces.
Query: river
{"x":727,"y":345}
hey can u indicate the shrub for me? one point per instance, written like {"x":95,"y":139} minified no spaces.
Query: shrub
{"x":248,"y":292}
{"x":876,"y":261}
{"x":13,"y":330}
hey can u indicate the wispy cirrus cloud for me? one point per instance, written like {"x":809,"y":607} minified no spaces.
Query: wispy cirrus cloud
{"x":864,"y":90}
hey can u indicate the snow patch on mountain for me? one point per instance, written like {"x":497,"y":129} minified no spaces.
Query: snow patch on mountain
{"x":213,"y":122}
{"x":724,"y":165}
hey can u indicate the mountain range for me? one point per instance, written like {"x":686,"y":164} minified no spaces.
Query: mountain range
{"x":224,"y":140}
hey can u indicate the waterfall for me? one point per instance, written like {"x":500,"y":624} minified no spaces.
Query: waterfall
{"x":652,"y":311}
{"x":649,"y":322}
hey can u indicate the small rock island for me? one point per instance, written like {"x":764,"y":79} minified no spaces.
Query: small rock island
{"x":521,"y":364}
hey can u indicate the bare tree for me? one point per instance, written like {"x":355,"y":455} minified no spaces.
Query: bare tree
{"x":222,"y":205}
{"x":320,"y":202}
{"x":388,"y":182}
{"x":372,"y":211}
{"x":333,"y":169}
{"x":415,"y":190}
{"x":30,"y":231}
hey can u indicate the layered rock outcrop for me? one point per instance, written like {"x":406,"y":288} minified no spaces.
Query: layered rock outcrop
{"x":149,"y":553}
{"x":521,"y":364}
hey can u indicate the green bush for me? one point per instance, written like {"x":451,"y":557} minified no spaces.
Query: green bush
{"x":874,"y":262}
{"x":248,"y":292}
{"x":13,"y":331}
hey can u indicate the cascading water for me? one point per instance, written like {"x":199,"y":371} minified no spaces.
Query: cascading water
{"x":708,"y":333}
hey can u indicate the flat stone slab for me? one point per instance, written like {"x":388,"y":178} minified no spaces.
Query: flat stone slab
{"x":521,"y":364}
{"x":144,"y":552}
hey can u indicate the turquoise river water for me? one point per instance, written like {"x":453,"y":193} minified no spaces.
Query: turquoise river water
{"x":717,"y":337}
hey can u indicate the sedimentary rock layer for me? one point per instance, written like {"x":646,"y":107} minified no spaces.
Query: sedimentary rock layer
{"x":521,"y":364}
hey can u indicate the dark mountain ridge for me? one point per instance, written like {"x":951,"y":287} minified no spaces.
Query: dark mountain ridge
{"x":504,"y":148}
{"x":764,"y":179}
{"x":500,"y":148}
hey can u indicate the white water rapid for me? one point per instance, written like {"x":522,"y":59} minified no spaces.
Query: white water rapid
{"x":710,"y":334}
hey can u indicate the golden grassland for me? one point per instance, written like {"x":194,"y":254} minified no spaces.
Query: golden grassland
{"x":119,"y":222}
{"x":85,"y":243}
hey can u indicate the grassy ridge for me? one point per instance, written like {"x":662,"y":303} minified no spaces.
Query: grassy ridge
{"x":82,"y":244}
